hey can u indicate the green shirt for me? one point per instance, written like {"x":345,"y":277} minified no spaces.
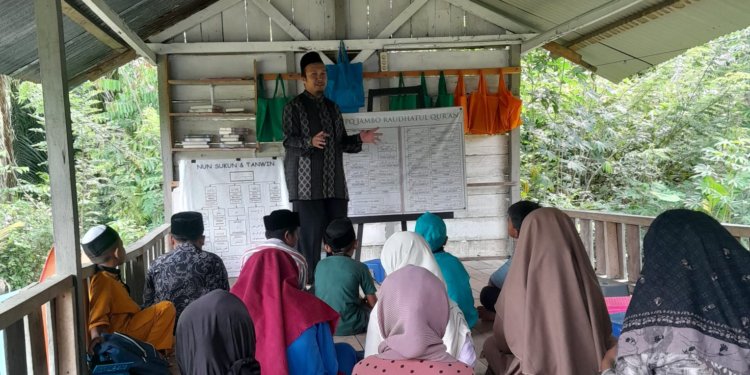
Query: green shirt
{"x":337,"y":282}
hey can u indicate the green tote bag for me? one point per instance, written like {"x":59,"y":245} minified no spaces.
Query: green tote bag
{"x":444,"y":99}
{"x":401,"y":102}
{"x":268,"y":116}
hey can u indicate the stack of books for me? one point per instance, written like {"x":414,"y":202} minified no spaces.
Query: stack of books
{"x":232,"y":137}
{"x":195,"y":141}
{"x":206,"y":109}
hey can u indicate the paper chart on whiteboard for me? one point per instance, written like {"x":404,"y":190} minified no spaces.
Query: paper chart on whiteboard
{"x":418,"y":165}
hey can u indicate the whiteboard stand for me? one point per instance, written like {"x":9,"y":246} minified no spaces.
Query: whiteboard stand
{"x":403,"y":218}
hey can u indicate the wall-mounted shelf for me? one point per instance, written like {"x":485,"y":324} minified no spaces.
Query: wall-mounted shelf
{"x":182,"y":149}
{"x":212,"y":81}
{"x":237,"y":115}
{"x":412,"y":73}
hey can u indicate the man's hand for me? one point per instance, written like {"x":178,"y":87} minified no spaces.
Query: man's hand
{"x":370,"y":136}
{"x":319,"y":140}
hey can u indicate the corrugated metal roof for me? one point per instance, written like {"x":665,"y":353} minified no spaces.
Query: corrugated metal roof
{"x":18,"y":45}
{"x":616,"y":53}
{"x":637,"y":45}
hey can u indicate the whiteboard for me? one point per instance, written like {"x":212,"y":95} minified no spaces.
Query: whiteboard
{"x":233,"y":195}
{"x":418,"y":166}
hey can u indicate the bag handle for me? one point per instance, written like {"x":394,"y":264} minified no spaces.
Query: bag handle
{"x":401,"y":83}
{"x":460,"y":90}
{"x":261,"y":88}
{"x":423,"y":83}
{"x":501,"y":86}
{"x":482,"y":86}
{"x":279,"y":81}
{"x":442,"y":85}
{"x":343,"y":58}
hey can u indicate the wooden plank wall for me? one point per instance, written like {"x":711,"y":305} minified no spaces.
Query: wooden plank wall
{"x":316,"y":19}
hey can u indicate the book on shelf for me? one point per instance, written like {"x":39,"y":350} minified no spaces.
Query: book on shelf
{"x":232,"y":137}
{"x":191,"y":145}
{"x":228,"y":131}
{"x":205,"y":109}
{"x":234,"y":110}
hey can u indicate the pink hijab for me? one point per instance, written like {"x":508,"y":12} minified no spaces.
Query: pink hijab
{"x":413,"y":312}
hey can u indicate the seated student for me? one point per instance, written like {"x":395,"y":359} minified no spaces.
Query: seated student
{"x":187,"y":272}
{"x":551,"y":316}
{"x":404,"y":248}
{"x":282,"y":233}
{"x":110,"y":307}
{"x":690,"y":312}
{"x":432,"y":228}
{"x":338,"y":279}
{"x":294,"y":328}
{"x":215,"y":335}
{"x":517,"y":212}
{"x":414,"y":309}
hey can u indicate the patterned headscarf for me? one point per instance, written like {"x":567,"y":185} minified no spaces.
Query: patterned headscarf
{"x":693,"y":296}
{"x":413,"y":312}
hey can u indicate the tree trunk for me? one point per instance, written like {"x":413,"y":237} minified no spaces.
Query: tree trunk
{"x":7,"y":160}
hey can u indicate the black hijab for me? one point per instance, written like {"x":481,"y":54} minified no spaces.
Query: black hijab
{"x":215,"y":335}
{"x":693,"y":296}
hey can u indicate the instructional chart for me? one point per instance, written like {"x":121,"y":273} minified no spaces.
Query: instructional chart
{"x":418,"y":165}
{"x":233,"y":195}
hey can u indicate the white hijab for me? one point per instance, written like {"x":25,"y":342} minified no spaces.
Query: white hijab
{"x":404,"y":248}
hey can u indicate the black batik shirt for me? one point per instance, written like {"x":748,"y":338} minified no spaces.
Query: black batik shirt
{"x":184,"y":275}
{"x":312,"y":173}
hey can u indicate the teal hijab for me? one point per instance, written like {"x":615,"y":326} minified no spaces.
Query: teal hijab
{"x":432,"y":228}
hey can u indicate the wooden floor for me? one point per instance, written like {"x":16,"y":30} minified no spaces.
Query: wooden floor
{"x":480,"y":272}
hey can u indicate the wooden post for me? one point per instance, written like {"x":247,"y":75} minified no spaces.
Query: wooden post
{"x":599,"y":242}
{"x":70,"y":322}
{"x":586,"y":238}
{"x":613,"y":243}
{"x":633,"y":247}
{"x":514,"y":139}
{"x":15,"y":348}
{"x":37,"y":344}
{"x":162,"y":66}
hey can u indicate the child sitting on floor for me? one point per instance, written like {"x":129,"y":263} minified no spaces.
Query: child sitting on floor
{"x":110,"y":307}
{"x":338,"y":279}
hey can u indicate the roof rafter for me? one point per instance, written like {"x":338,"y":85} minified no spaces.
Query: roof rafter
{"x":626,"y":23}
{"x":118,"y":25}
{"x":85,"y":23}
{"x":579,"y":22}
{"x":558,"y":50}
{"x":492,"y":15}
{"x":392,"y":27}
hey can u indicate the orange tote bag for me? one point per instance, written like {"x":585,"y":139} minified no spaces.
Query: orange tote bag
{"x":509,"y":108}
{"x":460,"y":99}
{"x":483,"y":110}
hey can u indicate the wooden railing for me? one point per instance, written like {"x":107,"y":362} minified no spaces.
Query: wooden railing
{"x":32,"y":317}
{"x":614,"y":241}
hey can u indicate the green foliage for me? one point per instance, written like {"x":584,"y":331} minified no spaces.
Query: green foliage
{"x":118,"y":167}
{"x":673,"y":136}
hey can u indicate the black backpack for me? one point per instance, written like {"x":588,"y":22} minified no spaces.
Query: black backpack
{"x":121,"y":354}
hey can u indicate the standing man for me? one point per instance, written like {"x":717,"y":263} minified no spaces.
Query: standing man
{"x":315,"y":140}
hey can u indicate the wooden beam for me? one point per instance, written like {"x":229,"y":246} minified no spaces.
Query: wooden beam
{"x":341,"y":18}
{"x":599,"y":248}
{"x":492,"y":15}
{"x":633,"y":248}
{"x":278,"y":18}
{"x":166,"y":142}
{"x":192,"y":21}
{"x":578,"y":22}
{"x":613,"y":243}
{"x":392,"y":27}
{"x":559,"y":50}
{"x":74,"y":15}
{"x":114,"y":61}
{"x":333,"y":45}
{"x":113,"y":20}
{"x":514,"y":154}
{"x":516,"y":70}
{"x":59,"y":135}
{"x":15,"y":348}
{"x":629,"y":22}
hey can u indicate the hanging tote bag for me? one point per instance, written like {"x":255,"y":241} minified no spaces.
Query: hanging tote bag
{"x":509,"y":107}
{"x":426,"y":99}
{"x":268,"y":116}
{"x":345,"y":86}
{"x":460,"y":99}
{"x":483,"y":110}
{"x":444,"y":99}
{"x":401,"y":102}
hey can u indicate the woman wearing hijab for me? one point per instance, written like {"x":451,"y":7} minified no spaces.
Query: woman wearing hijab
{"x":690,"y":312}
{"x":413,"y":311}
{"x":551,"y":316}
{"x":216,"y":336}
{"x":408,"y":248}
{"x":294,"y":328}
{"x":432,"y":228}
